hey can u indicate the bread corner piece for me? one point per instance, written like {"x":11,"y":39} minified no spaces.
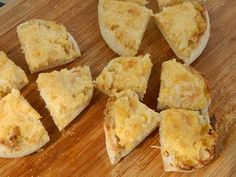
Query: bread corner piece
{"x":187,"y":140}
{"x":122,"y":25}
{"x":46,"y":44}
{"x":183,"y":87}
{"x":11,"y":75}
{"x":21,"y":132}
{"x":186,"y":28}
{"x":66,"y":93}
{"x":125,"y":73}
{"x":127,"y":123}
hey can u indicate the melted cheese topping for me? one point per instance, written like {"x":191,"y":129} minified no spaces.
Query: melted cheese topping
{"x":140,"y":2}
{"x":133,"y":120}
{"x":20,"y":127}
{"x":182,"y":25}
{"x":182,"y":87}
{"x":165,"y":3}
{"x":65,"y":92}
{"x":125,"y":73}
{"x":46,"y":44}
{"x":11,"y":75}
{"x":126,"y":21}
{"x":186,"y":136}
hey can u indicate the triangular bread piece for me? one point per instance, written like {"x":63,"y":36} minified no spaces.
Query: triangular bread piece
{"x":186,"y":27}
{"x":21,"y":132}
{"x":127,"y":123}
{"x":187,"y":139}
{"x":125,"y":73}
{"x":11,"y":75}
{"x":66,"y":93}
{"x":46,"y":44}
{"x":183,"y":87}
{"x":122,"y":25}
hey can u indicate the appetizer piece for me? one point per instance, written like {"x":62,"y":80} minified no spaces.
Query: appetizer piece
{"x":66,"y":93}
{"x":127,"y":123}
{"x":186,"y":28}
{"x":182,"y":87}
{"x":140,"y":2}
{"x":122,"y":25}
{"x":21,"y":132}
{"x":187,"y":140}
{"x":11,"y":75}
{"x":46,"y":44}
{"x":125,"y":73}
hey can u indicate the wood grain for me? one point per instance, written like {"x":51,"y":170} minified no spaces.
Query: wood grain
{"x":80,"y":149}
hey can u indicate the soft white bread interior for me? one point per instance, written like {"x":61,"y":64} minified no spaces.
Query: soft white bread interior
{"x":187,"y":140}
{"x":21,"y":132}
{"x":122,"y":25}
{"x":186,"y":27}
{"x":127,"y":123}
{"x":125,"y":73}
{"x":66,"y":93}
{"x":181,"y":86}
{"x":11,"y":75}
{"x":46,"y":44}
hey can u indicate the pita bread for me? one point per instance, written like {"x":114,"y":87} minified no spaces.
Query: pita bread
{"x":46,"y":44}
{"x":125,"y":73}
{"x":122,"y":25}
{"x":66,"y":93}
{"x":21,"y":132}
{"x":127,"y":123}
{"x":186,"y":28}
{"x":11,"y":75}
{"x":187,"y":140}
{"x":183,"y":87}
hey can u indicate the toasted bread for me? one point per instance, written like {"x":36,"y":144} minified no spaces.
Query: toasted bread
{"x":21,"y":132}
{"x":125,"y":73}
{"x":183,"y":87}
{"x":66,"y":93}
{"x":127,"y":123}
{"x":11,"y":76}
{"x":186,"y":27}
{"x":46,"y":44}
{"x":187,"y":140}
{"x":122,"y":25}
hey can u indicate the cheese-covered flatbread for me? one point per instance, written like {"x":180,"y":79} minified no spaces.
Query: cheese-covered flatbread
{"x":21,"y":132}
{"x":127,"y":123}
{"x":66,"y":93}
{"x":125,"y":73}
{"x":11,"y":75}
{"x":187,"y":140}
{"x":122,"y":25}
{"x":186,"y":27}
{"x":46,"y":44}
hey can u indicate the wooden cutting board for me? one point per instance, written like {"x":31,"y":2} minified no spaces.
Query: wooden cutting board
{"x":80,"y":149}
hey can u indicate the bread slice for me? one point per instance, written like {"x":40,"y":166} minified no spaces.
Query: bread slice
{"x":183,"y":87}
{"x":21,"y":132}
{"x":122,"y":25}
{"x":127,"y":123}
{"x":11,"y":75}
{"x":125,"y":73}
{"x":66,"y":93}
{"x":187,"y":140}
{"x":46,"y":44}
{"x":186,"y":28}
{"x":166,"y":3}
